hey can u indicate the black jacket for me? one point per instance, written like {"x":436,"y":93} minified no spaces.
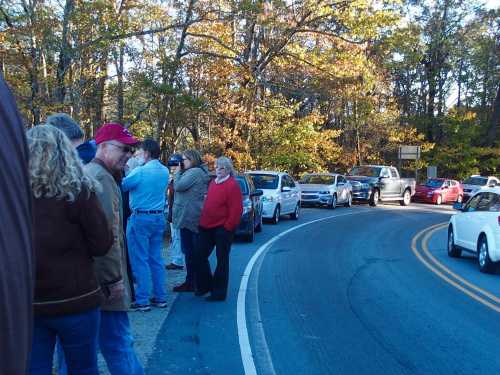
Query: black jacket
{"x":16,"y":257}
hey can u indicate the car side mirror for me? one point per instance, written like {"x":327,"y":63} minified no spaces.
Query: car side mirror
{"x":257,"y":193}
{"x":458,"y":206}
{"x":286,"y":189}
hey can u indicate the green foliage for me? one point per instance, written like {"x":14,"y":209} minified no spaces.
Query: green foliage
{"x":308,"y":86}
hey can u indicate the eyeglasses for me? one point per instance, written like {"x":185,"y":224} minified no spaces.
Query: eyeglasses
{"x":125,"y":149}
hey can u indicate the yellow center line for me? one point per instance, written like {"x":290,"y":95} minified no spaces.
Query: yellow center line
{"x":425,"y":247}
{"x":442,"y":275}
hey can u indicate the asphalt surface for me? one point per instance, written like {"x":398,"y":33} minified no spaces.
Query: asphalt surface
{"x":345,"y":295}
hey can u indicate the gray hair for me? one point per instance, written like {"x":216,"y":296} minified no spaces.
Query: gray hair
{"x":66,"y":124}
{"x":226,"y":163}
{"x":55,"y":169}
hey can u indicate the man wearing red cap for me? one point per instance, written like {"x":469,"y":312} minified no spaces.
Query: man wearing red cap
{"x":114,"y":148}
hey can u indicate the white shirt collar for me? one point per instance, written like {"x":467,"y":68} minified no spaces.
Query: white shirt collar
{"x":221,"y":180}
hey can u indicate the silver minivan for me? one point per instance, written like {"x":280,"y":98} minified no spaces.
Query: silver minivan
{"x":281,"y":194}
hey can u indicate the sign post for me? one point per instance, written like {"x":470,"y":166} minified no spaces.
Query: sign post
{"x":409,"y":153}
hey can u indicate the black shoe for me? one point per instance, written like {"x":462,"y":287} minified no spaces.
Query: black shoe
{"x":139,"y":307}
{"x":214,"y":299}
{"x":200,"y":293}
{"x":157,"y":303}
{"x":184,"y":287}
{"x":173,"y":266}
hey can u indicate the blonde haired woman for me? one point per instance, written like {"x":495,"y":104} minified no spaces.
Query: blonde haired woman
{"x":70,"y":229}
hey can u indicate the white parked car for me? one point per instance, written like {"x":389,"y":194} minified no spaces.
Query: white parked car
{"x":326,"y":189}
{"x":476,"y":228}
{"x":281,"y":194}
{"x":475,"y":183}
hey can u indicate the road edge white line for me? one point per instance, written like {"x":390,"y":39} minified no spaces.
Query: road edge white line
{"x":243,"y":336}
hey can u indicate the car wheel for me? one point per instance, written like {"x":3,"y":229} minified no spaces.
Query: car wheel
{"x":258,"y":228}
{"x":406,"y":198}
{"x":349,"y":201}
{"x":439,"y":200}
{"x":486,"y":265}
{"x":276,"y":216}
{"x":333,"y":204}
{"x":249,"y":237}
{"x":374,"y":198}
{"x":296,"y":213}
{"x":453,"y":250}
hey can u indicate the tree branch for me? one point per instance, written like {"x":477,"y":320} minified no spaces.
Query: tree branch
{"x":215,"y":39}
{"x":333,"y":35}
{"x":211,"y":54}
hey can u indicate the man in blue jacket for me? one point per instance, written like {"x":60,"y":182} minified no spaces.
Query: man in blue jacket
{"x":147,"y":185}
{"x":64,"y":122}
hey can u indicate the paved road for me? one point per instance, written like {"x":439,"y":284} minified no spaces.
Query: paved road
{"x":344,"y":295}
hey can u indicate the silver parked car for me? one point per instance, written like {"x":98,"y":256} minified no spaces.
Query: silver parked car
{"x":281,"y":194}
{"x":326,"y":189}
{"x":475,"y":182}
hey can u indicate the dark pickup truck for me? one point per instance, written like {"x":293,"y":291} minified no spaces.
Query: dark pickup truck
{"x":374,"y":183}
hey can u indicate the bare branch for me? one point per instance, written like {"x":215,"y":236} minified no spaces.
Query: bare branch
{"x":215,"y":39}
{"x":131,"y":34}
{"x":210,"y":54}
{"x":333,"y":35}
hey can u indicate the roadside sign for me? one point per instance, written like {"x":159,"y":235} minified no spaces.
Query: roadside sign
{"x":409,"y":152}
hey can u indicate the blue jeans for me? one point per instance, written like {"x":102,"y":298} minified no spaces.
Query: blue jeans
{"x":77,"y":334}
{"x":188,"y":247}
{"x":145,"y":242}
{"x":116,"y":345}
{"x":175,"y":250}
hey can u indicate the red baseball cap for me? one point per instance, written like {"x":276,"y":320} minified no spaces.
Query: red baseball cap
{"x":115,"y":132}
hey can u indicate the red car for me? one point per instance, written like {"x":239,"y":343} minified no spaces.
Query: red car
{"x":439,"y":190}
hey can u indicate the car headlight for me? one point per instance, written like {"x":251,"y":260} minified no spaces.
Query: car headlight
{"x":324,"y":192}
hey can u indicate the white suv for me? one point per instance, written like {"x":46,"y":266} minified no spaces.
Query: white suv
{"x":281,"y":194}
{"x":476,"y":228}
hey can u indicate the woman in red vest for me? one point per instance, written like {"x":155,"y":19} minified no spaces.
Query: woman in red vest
{"x":219,"y":218}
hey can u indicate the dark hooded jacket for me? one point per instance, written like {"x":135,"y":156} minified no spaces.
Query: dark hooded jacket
{"x":16,"y":255}
{"x":87,"y":151}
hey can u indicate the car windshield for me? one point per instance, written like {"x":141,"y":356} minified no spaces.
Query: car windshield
{"x":481,"y":181}
{"x":434,"y":183}
{"x":317,"y":179}
{"x":265,"y":181}
{"x":243,"y":184}
{"x":365,"y":171}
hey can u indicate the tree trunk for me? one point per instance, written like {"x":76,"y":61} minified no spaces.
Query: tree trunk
{"x":100,"y":90}
{"x":119,"y":94}
{"x":64,"y":53}
{"x":459,"y":81}
{"x":491,"y":138}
